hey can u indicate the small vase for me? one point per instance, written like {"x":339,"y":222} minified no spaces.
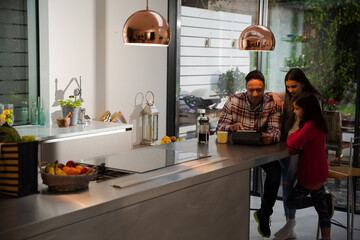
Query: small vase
{"x":75,"y":115}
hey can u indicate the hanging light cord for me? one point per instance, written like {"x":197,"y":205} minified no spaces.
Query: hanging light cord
{"x":147,"y":5}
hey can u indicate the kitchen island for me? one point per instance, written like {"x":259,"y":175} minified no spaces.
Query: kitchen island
{"x":202,"y":199}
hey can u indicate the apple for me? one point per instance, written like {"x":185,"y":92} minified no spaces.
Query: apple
{"x":71,"y":164}
{"x":85,"y":170}
{"x":61,"y":166}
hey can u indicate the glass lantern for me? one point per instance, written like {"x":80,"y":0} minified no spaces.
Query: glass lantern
{"x":150,"y":120}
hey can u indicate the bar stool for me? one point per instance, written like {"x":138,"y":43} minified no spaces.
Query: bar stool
{"x":338,"y":172}
{"x":261,"y":172}
{"x":261,"y":183}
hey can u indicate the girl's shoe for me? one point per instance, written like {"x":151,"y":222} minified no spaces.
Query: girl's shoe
{"x":291,"y":236}
{"x":286,"y":230}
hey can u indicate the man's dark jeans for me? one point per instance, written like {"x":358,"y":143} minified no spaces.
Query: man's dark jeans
{"x":271,"y":186}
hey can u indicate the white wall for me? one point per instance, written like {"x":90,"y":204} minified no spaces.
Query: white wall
{"x":84,"y":38}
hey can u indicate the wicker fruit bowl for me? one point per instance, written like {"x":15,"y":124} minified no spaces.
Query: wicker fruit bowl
{"x":66,"y":183}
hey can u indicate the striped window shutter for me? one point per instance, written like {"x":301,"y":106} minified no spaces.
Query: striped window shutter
{"x":18,"y":56}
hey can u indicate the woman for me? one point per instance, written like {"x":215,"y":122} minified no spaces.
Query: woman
{"x":296,"y":83}
{"x":313,"y":169}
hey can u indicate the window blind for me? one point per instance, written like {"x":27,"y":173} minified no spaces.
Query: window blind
{"x":15,"y":53}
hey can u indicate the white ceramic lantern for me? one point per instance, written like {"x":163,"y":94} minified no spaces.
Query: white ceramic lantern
{"x":150,"y":120}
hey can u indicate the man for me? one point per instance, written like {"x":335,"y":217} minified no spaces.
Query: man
{"x":252,"y":110}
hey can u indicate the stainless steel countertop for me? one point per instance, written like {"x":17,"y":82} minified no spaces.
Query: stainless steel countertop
{"x":37,"y":213}
{"x":47,"y":132}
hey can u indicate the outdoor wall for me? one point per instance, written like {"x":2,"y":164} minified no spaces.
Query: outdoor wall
{"x":201,"y":64}
{"x":84,"y":38}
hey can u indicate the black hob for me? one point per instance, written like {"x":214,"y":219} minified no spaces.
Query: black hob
{"x":104,"y":173}
{"x":139,"y":161}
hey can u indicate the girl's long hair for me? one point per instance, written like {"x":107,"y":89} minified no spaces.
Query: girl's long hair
{"x":288,"y":120}
{"x":312,"y":111}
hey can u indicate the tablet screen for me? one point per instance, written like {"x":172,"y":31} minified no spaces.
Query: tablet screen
{"x":248,"y":137}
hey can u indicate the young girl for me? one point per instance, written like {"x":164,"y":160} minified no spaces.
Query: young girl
{"x":296,"y":83}
{"x":313,"y":169}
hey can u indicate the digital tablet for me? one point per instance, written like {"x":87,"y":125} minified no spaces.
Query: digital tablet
{"x":248,"y":137}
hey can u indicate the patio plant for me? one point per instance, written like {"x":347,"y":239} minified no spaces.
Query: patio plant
{"x":230,"y":82}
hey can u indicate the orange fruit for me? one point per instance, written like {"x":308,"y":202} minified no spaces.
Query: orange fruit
{"x":73,"y":171}
{"x":165,"y":141}
{"x":77,"y":171}
{"x":65,"y":169}
{"x":173,"y":139}
{"x":166,"y":138}
{"x":79,"y":167}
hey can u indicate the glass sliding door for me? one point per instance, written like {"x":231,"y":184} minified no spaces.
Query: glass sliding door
{"x":18,"y":56}
{"x":321,"y":38}
{"x":211,"y":65}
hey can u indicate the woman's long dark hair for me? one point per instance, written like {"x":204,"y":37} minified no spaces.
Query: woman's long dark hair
{"x":288,"y":120}
{"x":312,"y":111}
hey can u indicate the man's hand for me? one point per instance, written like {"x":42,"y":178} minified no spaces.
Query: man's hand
{"x":236,"y":126}
{"x":266,"y":138}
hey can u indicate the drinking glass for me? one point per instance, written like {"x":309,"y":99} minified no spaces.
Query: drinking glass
{"x":222,"y":136}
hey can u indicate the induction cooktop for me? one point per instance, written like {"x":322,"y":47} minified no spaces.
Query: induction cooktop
{"x":144,"y":160}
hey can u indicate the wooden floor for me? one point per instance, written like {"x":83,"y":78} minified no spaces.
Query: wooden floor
{"x":306,"y":223}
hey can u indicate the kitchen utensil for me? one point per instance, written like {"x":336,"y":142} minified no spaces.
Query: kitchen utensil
{"x":64,"y":122}
{"x":202,"y":127}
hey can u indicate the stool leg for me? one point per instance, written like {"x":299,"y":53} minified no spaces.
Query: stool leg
{"x":318,"y":231}
{"x":348,"y":208}
{"x":261,"y":184}
{"x":353,"y":209}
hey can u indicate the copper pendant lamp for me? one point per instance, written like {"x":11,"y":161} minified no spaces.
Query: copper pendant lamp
{"x":146,"y":27}
{"x":257,"y":38}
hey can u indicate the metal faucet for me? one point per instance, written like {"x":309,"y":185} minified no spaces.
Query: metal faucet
{"x":77,"y":91}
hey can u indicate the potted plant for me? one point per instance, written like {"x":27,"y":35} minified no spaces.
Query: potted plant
{"x":331,"y":105}
{"x":230,"y":82}
{"x":71,"y":105}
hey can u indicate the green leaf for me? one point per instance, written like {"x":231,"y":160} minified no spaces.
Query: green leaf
{"x":70,"y":103}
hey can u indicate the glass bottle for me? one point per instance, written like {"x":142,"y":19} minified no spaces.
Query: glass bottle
{"x":38,"y":108}
{"x":24,"y":112}
{"x":42,"y":117}
{"x":34,"y":118}
{"x":202,"y":127}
